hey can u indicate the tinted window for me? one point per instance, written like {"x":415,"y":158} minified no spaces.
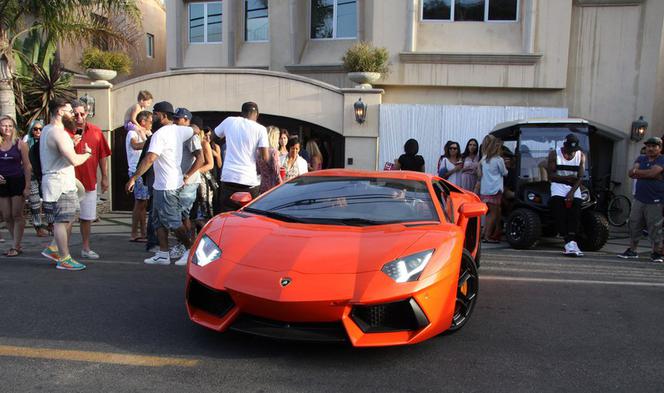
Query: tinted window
{"x":437,"y":9}
{"x":349,"y":201}
{"x":256,"y":20}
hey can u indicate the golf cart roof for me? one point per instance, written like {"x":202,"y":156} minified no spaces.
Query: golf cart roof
{"x":539,"y":121}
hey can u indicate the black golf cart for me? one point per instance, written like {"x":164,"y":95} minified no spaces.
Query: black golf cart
{"x":526,"y":211}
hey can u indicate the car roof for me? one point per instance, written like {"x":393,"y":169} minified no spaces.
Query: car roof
{"x":542,"y":121}
{"x":408,"y":175}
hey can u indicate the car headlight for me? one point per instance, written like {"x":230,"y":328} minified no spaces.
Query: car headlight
{"x":206,"y":252}
{"x":531,"y":196}
{"x":408,"y":268}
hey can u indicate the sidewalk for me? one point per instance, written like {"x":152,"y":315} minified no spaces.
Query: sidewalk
{"x":617,"y":243}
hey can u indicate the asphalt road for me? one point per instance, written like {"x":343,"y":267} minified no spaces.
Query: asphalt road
{"x":543,"y":323}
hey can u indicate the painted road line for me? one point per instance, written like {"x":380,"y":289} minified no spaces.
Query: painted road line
{"x":569,"y":281}
{"x":95,"y":357}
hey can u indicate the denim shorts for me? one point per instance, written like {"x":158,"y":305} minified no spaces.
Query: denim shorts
{"x":141,"y":191}
{"x":166,"y":209}
{"x":187,"y":197}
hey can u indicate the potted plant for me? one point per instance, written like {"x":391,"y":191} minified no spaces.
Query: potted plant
{"x":365,"y":63}
{"x":103,"y":65}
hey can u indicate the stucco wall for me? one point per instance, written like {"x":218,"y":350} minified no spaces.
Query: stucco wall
{"x":275,"y":93}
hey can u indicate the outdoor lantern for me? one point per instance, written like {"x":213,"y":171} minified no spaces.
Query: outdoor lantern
{"x":360,"y":111}
{"x":89,"y":103}
{"x":639,"y":128}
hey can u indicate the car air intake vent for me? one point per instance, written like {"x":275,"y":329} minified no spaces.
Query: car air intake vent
{"x":389,"y":317}
{"x":217,"y":303}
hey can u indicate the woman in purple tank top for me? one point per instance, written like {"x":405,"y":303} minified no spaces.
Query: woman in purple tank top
{"x":15,"y":174}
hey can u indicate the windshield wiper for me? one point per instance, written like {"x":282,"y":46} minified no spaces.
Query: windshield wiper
{"x":276,"y":216}
{"x":362,"y":221}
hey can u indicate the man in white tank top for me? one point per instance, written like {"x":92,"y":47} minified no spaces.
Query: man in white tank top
{"x":566,"y":167}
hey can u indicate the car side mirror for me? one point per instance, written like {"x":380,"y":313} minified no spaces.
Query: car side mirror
{"x":241,"y":198}
{"x":473,"y":209}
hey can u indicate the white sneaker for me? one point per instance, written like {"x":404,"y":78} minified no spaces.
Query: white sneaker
{"x":569,"y":249}
{"x":577,"y":250}
{"x":89,"y":254}
{"x":159,"y":258}
{"x":183,"y":260}
{"x":177,"y":251}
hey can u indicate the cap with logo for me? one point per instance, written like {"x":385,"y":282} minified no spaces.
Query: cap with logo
{"x":182,"y":113}
{"x":163,"y":107}
{"x":572,"y":142}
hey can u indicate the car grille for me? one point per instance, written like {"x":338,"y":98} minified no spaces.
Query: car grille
{"x":214,"y":302}
{"x":389,"y":317}
{"x":300,"y":331}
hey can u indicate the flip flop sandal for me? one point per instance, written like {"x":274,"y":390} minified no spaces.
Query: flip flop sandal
{"x":13,"y":252}
{"x":140,"y":239}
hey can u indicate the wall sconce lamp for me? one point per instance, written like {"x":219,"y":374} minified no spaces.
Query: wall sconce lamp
{"x":89,"y":103}
{"x":360,"y":111}
{"x":639,"y":128}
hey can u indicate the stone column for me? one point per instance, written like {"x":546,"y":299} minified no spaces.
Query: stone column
{"x":361,"y":149}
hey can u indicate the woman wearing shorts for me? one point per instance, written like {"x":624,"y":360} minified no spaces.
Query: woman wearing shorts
{"x":15,"y":174}
{"x":490,"y":185}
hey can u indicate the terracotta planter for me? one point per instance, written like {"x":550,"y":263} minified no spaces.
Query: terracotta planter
{"x":100,"y":76}
{"x":364,"y":79}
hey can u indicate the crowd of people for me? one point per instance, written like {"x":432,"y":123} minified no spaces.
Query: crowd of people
{"x":181,"y":173}
{"x":486,"y":171}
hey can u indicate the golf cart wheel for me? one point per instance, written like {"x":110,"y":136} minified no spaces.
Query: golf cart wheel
{"x":524,"y":228}
{"x":467,"y":290}
{"x":594,"y":231}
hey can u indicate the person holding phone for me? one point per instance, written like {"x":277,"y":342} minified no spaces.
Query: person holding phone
{"x":450,"y":163}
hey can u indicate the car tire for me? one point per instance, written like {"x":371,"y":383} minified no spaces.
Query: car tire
{"x":594,"y":231}
{"x":523,"y":229}
{"x":467,"y":290}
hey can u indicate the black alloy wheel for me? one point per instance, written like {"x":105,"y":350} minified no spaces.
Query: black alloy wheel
{"x":467,"y":290}
{"x":523,"y":228}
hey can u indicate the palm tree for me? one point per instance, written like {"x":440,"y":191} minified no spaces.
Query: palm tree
{"x":65,"y":20}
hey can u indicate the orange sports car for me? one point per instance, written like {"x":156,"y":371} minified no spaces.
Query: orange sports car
{"x":371,"y":258}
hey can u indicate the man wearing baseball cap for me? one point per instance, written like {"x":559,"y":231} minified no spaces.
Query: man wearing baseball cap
{"x":182,"y":117}
{"x":165,"y":152}
{"x":648,"y":198}
{"x":566,"y":167}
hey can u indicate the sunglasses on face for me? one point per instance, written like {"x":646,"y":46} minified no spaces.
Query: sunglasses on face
{"x":36,"y":128}
{"x":454,"y":148}
{"x":79,"y":114}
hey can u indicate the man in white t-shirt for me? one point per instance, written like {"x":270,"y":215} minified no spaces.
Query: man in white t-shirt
{"x":244,"y":136}
{"x":133,"y":145}
{"x":165,"y":152}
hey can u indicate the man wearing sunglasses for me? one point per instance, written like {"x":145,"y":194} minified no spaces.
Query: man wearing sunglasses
{"x":91,"y":136}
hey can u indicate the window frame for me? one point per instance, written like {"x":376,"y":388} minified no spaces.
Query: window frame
{"x":486,"y":15}
{"x":149,"y":45}
{"x":334,"y":23}
{"x":205,"y":22}
{"x":245,"y":23}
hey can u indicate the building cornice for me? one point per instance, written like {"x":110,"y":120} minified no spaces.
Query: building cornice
{"x":315,"y":68}
{"x":470,"y":58}
{"x":607,"y":3}
{"x":230,"y":71}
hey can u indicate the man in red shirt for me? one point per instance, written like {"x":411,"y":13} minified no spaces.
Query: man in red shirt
{"x":86,"y":173}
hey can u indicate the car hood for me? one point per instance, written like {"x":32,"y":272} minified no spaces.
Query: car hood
{"x":268,"y":244}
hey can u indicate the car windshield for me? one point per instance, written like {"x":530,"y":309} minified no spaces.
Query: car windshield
{"x":536,"y":143}
{"x":358,"y":201}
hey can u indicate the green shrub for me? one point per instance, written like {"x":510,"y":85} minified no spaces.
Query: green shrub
{"x":364,"y":57}
{"x":97,"y":58}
